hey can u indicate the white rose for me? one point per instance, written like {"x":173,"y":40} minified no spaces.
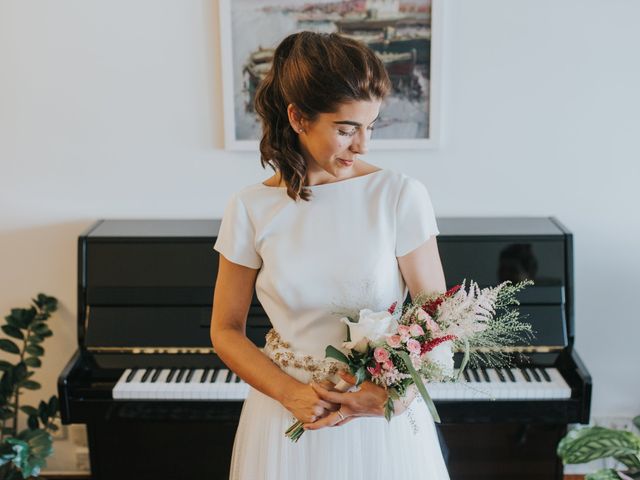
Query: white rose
{"x":443,"y":356}
{"x":371,"y":327}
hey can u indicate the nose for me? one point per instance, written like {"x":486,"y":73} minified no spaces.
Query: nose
{"x":360,"y":142}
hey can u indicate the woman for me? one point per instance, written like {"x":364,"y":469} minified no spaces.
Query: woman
{"x":328,"y":234}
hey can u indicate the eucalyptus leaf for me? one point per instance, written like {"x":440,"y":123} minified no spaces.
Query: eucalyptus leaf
{"x":8,"y":346}
{"x":12,"y":331}
{"x":333,"y":352}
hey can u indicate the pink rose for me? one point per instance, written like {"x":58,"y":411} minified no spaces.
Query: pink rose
{"x":413,"y":346}
{"x":431,"y":325}
{"x":380,"y":354}
{"x":388,"y":364}
{"x":403,"y":331}
{"x":416,"y":330}
{"x":394,"y":341}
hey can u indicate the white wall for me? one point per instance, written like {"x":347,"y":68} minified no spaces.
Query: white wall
{"x":113,"y":109}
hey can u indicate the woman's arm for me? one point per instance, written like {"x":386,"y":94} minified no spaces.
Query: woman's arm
{"x":231,"y":302}
{"x":422,"y":272}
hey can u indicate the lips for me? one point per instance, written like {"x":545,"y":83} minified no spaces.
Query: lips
{"x":346,"y":162}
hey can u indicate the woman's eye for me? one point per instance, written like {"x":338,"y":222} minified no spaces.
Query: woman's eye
{"x":350,"y":133}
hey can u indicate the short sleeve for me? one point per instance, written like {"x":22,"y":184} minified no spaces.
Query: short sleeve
{"x":415,"y":219}
{"x":236,"y":237}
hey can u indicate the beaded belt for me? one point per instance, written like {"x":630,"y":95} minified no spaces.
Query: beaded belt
{"x":280,"y":353}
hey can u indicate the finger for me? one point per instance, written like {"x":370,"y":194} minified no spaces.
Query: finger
{"x":327,"y":385}
{"x":328,"y":405}
{"x":324,"y":394}
{"x":342,"y":422}
{"x":328,"y":421}
{"x":347,"y":377}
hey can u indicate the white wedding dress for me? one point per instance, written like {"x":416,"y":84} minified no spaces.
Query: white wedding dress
{"x":318,"y":261}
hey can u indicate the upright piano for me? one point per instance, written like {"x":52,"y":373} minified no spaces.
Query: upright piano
{"x":159,"y":403}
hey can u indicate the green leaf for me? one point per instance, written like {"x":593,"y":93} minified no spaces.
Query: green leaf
{"x":53,"y":427}
{"x":333,"y":352}
{"x":36,"y":446}
{"x":33,"y":362}
{"x":43,"y":412}
{"x":32,"y":422}
{"x":6,"y":414}
{"x":12,"y":331}
{"x":30,"y":385}
{"x":583,"y":445}
{"x":4,"y":365}
{"x":361,"y":375}
{"x":46,"y":303}
{"x":54,"y":406}
{"x":47,"y":334}
{"x":35,"y":350}
{"x":421,"y":388}
{"x":8,"y":346}
{"x":636,"y":422}
{"x":35,"y":339}
{"x":20,"y":372}
{"x":29,"y":410}
{"x":40,"y":328}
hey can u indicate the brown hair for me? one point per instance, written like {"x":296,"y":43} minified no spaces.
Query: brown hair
{"x":316,"y":72}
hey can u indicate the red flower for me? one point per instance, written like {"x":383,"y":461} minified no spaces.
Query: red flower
{"x":431,"y":344}
{"x":392,"y":308}
{"x":375,"y":371}
{"x":432,"y":306}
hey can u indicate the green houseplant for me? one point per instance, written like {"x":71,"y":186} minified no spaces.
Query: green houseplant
{"x":23,"y":453}
{"x":591,"y":443}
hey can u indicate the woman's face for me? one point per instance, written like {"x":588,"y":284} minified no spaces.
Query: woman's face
{"x":333,"y":142}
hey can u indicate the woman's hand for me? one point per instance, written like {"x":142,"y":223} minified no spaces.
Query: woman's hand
{"x":369,"y":401}
{"x":306,"y":405}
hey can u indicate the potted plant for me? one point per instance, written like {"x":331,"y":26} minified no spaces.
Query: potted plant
{"x":591,"y":443}
{"x":23,"y":453}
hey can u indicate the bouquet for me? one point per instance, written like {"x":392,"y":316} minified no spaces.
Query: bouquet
{"x":397,"y":348}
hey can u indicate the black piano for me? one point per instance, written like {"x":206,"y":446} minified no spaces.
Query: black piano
{"x":158,"y":403}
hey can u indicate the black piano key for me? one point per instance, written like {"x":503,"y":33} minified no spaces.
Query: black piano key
{"x":156,"y":375}
{"x":500,"y":375}
{"x":131,"y":374}
{"x":238,"y":379}
{"x":525,"y":374}
{"x":545,"y":374}
{"x":214,"y":375}
{"x":146,"y":375}
{"x":189,"y":375}
{"x":535,"y":375}
{"x":485,"y":374}
{"x":181,"y":374}
{"x":204,"y":375}
{"x":229,"y":375}
{"x":475,"y":375}
{"x":466,"y":375}
{"x":172,"y":372}
{"x":510,"y":374}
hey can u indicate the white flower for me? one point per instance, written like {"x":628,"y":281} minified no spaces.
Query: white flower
{"x":371,"y":327}
{"x":443,"y":356}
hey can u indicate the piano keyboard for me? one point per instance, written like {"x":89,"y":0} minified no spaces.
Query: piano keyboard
{"x":530,"y":383}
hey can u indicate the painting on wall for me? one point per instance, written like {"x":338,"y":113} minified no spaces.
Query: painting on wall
{"x":404,"y":35}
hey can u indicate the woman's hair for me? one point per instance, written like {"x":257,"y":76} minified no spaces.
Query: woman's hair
{"x":316,"y":72}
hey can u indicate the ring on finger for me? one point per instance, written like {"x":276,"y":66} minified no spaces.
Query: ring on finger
{"x":342,"y":417}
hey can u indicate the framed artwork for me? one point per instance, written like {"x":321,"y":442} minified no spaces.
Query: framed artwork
{"x":405,"y":34}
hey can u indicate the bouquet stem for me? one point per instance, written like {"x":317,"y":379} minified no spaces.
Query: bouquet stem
{"x":295,"y":431}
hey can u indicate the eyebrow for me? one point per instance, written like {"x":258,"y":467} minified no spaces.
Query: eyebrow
{"x":355,"y":124}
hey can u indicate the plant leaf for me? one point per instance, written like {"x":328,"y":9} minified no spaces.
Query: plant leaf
{"x":33,"y":362}
{"x":8,"y":346}
{"x":583,"y":445}
{"x":421,"y":388}
{"x":53,"y":406}
{"x":12,"y":331}
{"x":333,"y":352}
{"x":603,"y":474}
{"x":30,"y":385}
{"x":29,"y":410}
{"x":4,"y":365}
{"x":35,"y":350}
{"x":32,"y":422}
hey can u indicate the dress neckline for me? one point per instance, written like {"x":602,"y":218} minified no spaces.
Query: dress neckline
{"x":346,"y":180}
